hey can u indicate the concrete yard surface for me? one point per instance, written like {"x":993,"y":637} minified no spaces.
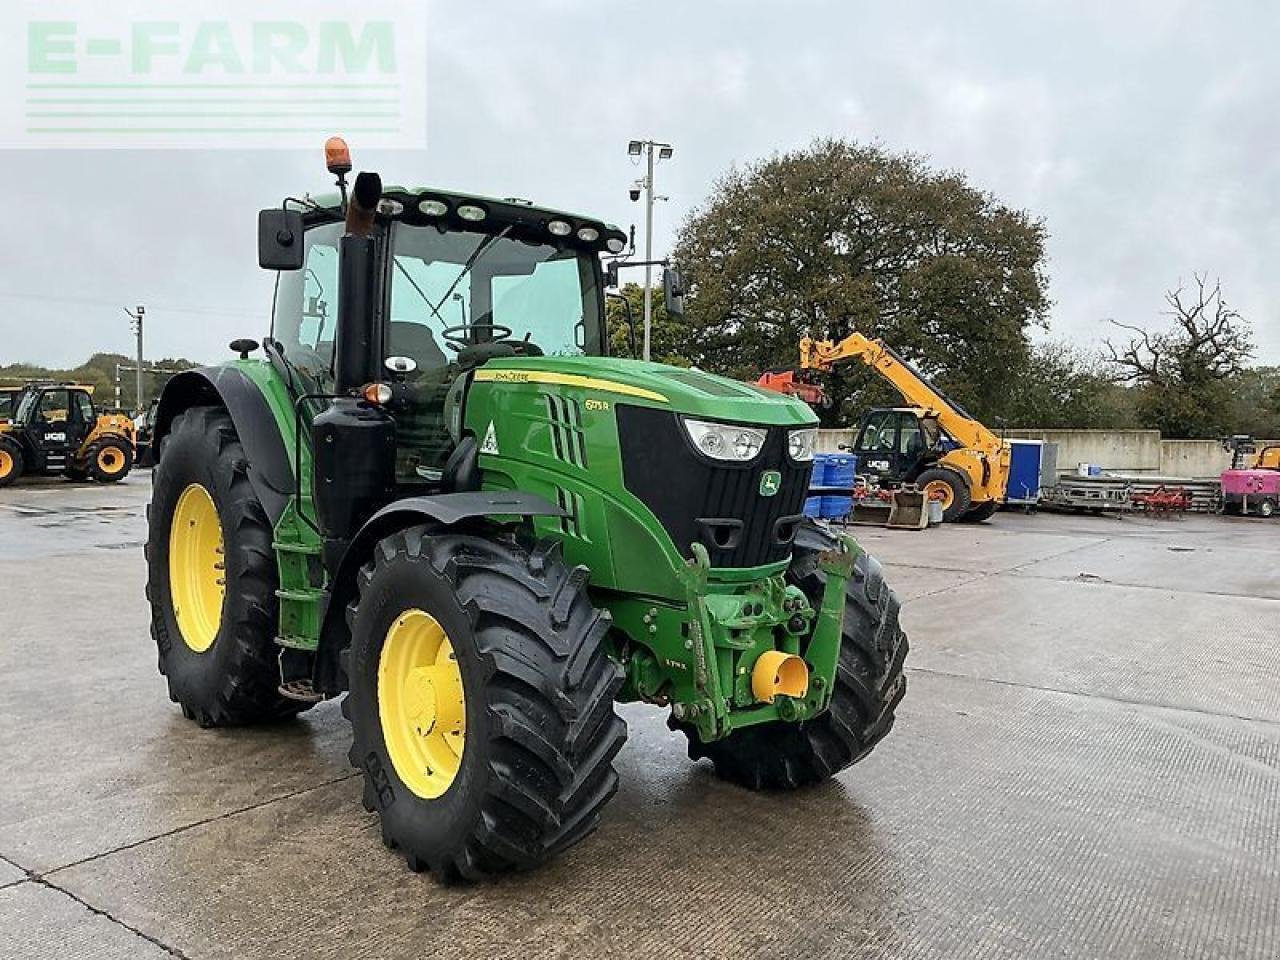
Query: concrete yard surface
{"x":1086,"y":764}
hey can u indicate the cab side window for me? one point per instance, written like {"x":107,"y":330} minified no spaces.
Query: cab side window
{"x":305,"y":318}
{"x":880,"y":433}
{"x":910,"y":437}
{"x":84,"y":408}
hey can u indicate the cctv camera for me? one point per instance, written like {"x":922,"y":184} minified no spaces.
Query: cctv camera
{"x":635,"y":194}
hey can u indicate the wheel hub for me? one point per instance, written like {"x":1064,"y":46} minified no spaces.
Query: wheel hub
{"x":109,"y":460}
{"x":421,"y":704}
{"x":197,"y":568}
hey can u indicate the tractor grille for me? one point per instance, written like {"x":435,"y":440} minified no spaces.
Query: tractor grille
{"x":717,"y":504}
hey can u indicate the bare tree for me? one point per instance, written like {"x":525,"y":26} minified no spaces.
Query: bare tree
{"x":1185,"y":374}
{"x":1208,"y":341}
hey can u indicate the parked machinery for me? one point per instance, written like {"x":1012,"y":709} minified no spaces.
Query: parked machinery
{"x":54,"y":428}
{"x":1251,"y":486}
{"x":447,"y":502}
{"x":932,"y":443}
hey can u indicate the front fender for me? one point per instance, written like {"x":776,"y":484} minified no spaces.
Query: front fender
{"x":446,"y":509}
{"x":270,"y":467}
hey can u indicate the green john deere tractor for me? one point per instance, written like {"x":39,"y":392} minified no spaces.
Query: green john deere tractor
{"x":436,"y":493}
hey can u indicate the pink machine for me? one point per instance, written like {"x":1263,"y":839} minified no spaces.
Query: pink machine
{"x":1251,"y":491}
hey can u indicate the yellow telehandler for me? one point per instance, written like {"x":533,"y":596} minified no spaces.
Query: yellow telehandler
{"x":932,"y":443}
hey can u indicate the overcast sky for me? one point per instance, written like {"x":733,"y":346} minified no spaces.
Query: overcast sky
{"x":1144,"y":133}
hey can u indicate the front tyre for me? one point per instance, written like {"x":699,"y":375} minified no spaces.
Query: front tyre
{"x":481,"y":701}
{"x":211,"y":578}
{"x":110,"y":459}
{"x":11,"y":461}
{"x":869,"y":685}
{"x":949,"y":488}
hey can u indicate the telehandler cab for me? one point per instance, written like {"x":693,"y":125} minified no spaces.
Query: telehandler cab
{"x":436,"y":493}
{"x":52,"y":428}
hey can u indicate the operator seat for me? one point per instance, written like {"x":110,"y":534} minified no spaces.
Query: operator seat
{"x":415,"y":340}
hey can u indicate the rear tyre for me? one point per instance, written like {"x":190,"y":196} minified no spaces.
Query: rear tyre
{"x":481,"y":702}
{"x":110,"y":459}
{"x":211,"y":578}
{"x":869,"y":685}
{"x":982,"y":512}
{"x":11,"y":462}
{"x":1267,"y":508}
{"x":950,"y":488}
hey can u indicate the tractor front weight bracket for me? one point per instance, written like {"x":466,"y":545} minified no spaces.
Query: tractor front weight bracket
{"x":823,"y":653}
{"x":709,"y":712}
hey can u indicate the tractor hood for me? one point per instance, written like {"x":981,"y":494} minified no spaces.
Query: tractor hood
{"x":677,"y":389}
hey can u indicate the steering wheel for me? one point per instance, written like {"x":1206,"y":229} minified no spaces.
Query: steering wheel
{"x":455,"y":337}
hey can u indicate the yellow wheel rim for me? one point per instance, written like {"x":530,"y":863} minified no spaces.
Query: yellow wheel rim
{"x":6,"y":463}
{"x":197,"y":571}
{"x":110,"y":460}
{"x":421,"y":704}
{"x":941,"y":491}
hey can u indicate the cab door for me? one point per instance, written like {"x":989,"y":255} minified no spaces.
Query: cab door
{"x":51,"y":429}
{"x":877,"y":446}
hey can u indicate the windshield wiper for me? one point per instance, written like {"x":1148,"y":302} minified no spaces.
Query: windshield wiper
{"x":472,"y":260}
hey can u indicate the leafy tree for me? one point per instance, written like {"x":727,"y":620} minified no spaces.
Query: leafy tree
{"x":1255,"y":406}
{"x":1062,"y":386}
{"x":1186,"y":372}
{"x":844,"y":236}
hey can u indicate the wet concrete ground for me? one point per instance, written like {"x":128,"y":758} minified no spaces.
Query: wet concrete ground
{"x":1087,"y":764}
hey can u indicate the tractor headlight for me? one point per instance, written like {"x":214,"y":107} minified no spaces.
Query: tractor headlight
{"x":800,"y":443}
{"x":725,"y":441}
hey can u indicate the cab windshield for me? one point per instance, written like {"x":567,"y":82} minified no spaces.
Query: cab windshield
{"x":485,"y":287}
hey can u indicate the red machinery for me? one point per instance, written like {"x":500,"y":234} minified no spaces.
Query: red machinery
{"x":791,"y":382}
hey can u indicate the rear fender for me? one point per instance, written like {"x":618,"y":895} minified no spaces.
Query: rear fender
{"x":446,"y":510}
{"x":270,"y":467}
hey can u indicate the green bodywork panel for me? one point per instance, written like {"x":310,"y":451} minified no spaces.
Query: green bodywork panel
{"x":686,"y":633}
{"x":297,"y":544}
{"x":682,"y":628}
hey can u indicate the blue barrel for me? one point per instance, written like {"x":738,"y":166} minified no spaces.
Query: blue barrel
{"x":840,"y":472}
{"x":813,"y":505}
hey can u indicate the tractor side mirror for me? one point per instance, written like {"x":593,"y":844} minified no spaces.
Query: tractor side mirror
{"x":673,"y":292}
{"x":280,"y":245}
{"x":611,"y":275}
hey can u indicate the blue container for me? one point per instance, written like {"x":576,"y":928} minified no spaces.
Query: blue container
{"x":841,"y":470}
{"x":1024,"y":471}
{"x":813,"y":505}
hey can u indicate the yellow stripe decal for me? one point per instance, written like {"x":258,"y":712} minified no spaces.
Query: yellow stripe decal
{"x":567,"y":380}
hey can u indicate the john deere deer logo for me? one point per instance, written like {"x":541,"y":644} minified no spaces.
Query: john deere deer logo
{"x":770,"y":483}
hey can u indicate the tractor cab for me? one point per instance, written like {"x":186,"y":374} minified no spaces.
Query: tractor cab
{"x":53,"y":428}
{"x":455,"y":281}
{"x":52,"y":421}
{"x":896,"y":444}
